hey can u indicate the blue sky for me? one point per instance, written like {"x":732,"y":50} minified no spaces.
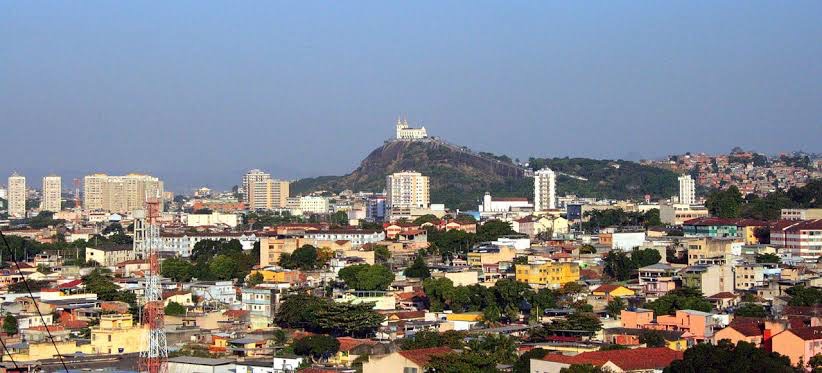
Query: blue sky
{"x":197,"y":92}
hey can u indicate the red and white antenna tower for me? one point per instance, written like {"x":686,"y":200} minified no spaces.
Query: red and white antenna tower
{"x":154,"y":354}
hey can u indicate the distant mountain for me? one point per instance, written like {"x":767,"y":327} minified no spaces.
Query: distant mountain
{"x":459,"y":176}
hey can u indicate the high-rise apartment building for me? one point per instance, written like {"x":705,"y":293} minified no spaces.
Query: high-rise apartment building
{"x":120,"y":193}
{"x":407,"y":189}
{"x":267,"y":194}
{"x":545,"y":190}
{"x":687,"y":190}
{"x":17,"y":196}
{"x":52,"y":193}
{"x":250,"y":178}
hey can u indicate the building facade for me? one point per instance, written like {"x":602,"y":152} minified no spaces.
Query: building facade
{"x":267,"y":194}
{"x":545,"y":190}
{"x":17,"y":196}
{"x":52,"y":190}
{"x":407,"y":189}
{"x":121,"y":194}
{"x":687,"y":190}
{"x":404,"y":132}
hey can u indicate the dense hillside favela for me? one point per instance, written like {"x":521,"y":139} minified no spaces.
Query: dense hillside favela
{"x":427,"y":257}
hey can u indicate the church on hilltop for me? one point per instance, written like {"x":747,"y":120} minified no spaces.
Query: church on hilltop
{"x":407,"y":133}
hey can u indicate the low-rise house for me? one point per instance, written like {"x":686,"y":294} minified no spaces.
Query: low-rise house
{"x":698,"y":326}
{"x":407,"y":361}
{"x":109,"y":256}
{"x":631,"y":337}
{"x":200,"y":365}
{"x":610,"y":291}
{"x":800,"y":344}
{"x":636,"y":360}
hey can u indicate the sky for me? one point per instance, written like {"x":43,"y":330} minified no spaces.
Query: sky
{"x":198,"y":92}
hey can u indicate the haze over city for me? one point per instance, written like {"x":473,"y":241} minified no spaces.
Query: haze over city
{"x":197,"y":93}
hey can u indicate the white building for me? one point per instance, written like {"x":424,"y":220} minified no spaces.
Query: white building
{"x":490,"y":204}
{"x":627,"y":240}
{"x":250,"y":177}
{"x":404,"y":132}
{"x":52,"y":193}
{"x":687,"y":191}
{"x":121,"y":194}
{"x":545,"y":190}
{"x":407,"y":189}
{"x":356,"y":236}
{"x":308,"y":205}
{"x":214,"y":218}
{"x":17,"y":196}
{"x":183,"y":244}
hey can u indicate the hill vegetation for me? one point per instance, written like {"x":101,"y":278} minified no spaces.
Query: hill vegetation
{"x":459,"y":177}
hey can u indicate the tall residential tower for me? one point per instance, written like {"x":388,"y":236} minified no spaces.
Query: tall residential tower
{"x":407,"y":189}
{"x":17,"y":196}
{"x":545,"y":190}
{"x":687,"y":190}
{"x":52,"y":193}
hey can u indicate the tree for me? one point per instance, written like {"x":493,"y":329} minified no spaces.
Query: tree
{"x":175,"y":309}
{"x":646,"y":257}
{"x":523,"y":364}
{"x":10,"y":324}
{"x":494,"y":229}
{"x":725,"y":203}
{"x":255,"y":279}
{"x":428,"y":218}
{"x":502,"y":348}
{"x":223,"y":267}
{"x":615,"y":306}
{"x":750,"y":310}
{"x":439,"y":291}
{"x":177,"y":269}
{"x":767,"y":258}
{"x":652,"y":338}
{"x":462,"y":362}
{"x":304,"y":258}
{"x":429,"y":338}
{"x":587,"y":249}
{"x":680,"y":299}
{"x":367,"y":277}
{"x":727,"y":357}
{"x":418,"y":269}
{"x":802,"y":296}
{"x":321,"y":315}
{"x":381,"y":254}
{"x":318,"y":347}
{"x":619,"y":266}
{"x":99,"y":281}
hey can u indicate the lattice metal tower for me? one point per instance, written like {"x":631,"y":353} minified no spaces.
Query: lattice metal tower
{"x":154,"y":351}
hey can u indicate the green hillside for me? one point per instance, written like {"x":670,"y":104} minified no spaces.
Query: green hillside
{"x":459,"y":177}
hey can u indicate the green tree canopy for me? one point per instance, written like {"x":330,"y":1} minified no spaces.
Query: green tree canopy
{"x":727,"y":357}
{"x":177,"y":269}
{"x":725,"y":203}
{"x":750,"y":310}
{"x":318,"y":347}
{"x":305,"y":258}
{"x":10,"y":325}
{"x":680,"y":299}
{"x":418,"y":269}
{"x":367,"y":277}
{"x":175,"y":309}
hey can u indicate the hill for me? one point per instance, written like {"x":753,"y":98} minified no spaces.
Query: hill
{"x":459,"y":176}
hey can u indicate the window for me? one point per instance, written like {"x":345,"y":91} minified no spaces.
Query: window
{"x":409,"y":370}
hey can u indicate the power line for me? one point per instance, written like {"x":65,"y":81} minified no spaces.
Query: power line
{"x":36,"y":307}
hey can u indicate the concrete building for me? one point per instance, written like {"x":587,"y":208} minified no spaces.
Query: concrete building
{"x":709,"y":279}
{"x":249,"y":178}
{"x":17,"y":196}
{"x":801,"y":214}
{"x":407,"y":189}
{"x":687,"y":190}
{"x":550,"y":274}
{"x":109,"y":256}
{"x":52,"y":193}
{"x":267,"y":194}
{"x":800,"y":238}
{"x":308,"y":205}
{"x":117,"y":334}
{"x":214,"y":218}
{"x":545,"y":190}
{"x":120,"y":194}
{"x":502,"y":204}
{"x":678,"y":213}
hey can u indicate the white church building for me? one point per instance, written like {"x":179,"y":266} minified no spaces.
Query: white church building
{"x":404,"y":132}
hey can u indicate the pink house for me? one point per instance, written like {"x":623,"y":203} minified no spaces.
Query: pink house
{"x":698,"y":326}
{"x":799,"y":344}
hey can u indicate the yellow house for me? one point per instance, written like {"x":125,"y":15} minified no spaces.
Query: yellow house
{"x":553,"y":274}
{"x":117,"y":334}
{"x":407,"y":361}
{"x":613,"y":291}
{"x":555,"y":224}
{"x":465,"y":316}
{"x":491,"y":254}
{"x":43,"y":350}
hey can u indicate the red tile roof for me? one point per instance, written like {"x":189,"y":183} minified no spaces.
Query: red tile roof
{"x":347,"y":343}
{"x":809,"y":334}
{"x":422,"y":356}
{"x":235,"y":313}
{"x":70,"y":284}
{"x":723,"y":295}
{"x":636,"y":359}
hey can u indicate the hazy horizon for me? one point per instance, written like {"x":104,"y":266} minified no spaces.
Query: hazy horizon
{"x":197,"y":93}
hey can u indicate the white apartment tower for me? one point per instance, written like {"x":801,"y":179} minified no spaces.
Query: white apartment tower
{"x":17,"y":196}
{"x":249,"y":178}
{"x":545,"y":190}
{"x":404,"y":132}
{"x":263,"y":192}
{"x":407,"y":189}
{"x":52,"y":193}
{"x":121,"y":194}
{"x":687,"y":190}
